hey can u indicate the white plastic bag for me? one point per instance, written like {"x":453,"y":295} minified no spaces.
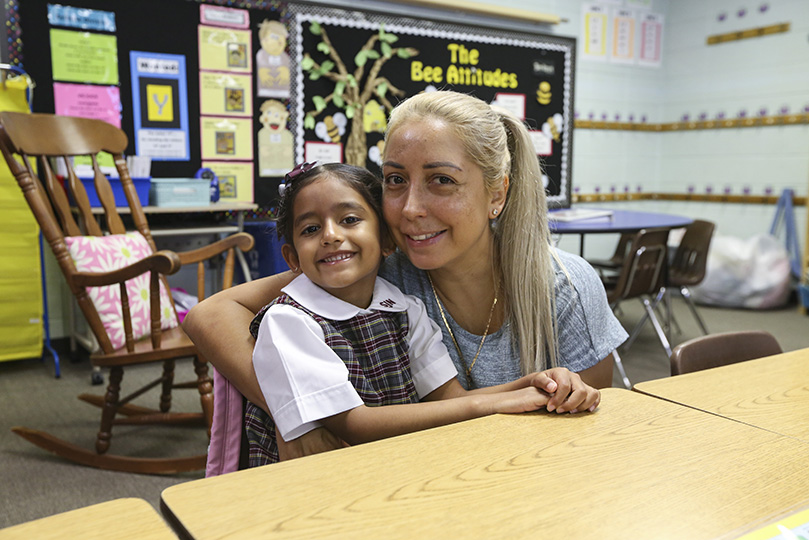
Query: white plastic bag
{"x":749,"y":273}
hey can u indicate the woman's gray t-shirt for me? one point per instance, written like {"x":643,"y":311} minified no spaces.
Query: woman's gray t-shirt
{"x":587,"y":330}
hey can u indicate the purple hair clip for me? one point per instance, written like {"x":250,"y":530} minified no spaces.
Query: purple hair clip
{"x":289,"y":177}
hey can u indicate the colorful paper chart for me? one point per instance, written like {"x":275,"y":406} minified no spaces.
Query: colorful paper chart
{"x":84,"y":57}
{"x":225,"y":138}
{"x":88,"y":101}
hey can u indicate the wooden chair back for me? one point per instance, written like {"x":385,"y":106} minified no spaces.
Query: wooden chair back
{"x":642,"y":270}
{"x":716,"y":350}
{"x":687,"y":268}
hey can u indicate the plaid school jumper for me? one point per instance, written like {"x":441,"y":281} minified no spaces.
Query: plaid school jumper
{"x":374,"y":348}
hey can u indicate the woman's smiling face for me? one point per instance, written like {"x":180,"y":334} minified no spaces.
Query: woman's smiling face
{"x":435,"y":200}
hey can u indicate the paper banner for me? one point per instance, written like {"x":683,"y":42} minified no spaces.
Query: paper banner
{"x":160,"y":105}
{"x":88,"y":101}
{"x":235,"y":179}
{"x":223,"y":16}
{"x":225,"y":94}
{"x":82,"y":18}
{"x":225,"y":49}
{"x":226,"y":138}
{"x":84,"y":57}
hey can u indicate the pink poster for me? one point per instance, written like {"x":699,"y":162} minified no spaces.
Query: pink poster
{"x":87,"y":101}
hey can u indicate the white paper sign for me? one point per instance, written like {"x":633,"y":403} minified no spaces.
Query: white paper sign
{"x":542,"y":143}
{"x":323,"y":152}
{"x":651,"y":40}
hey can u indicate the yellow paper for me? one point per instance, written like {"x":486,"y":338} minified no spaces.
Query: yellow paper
{"x":795,"y":526}
{"x":226,"y":138}
{"x":225,"y":49}
{"x":160,"y":103}
{"x":225,"y":94}
{"x":235,"y":179}
{"x":84,"y":57}
{"x":21,"y":329}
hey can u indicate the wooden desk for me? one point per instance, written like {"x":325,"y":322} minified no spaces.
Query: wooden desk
{"x":770,"y":393}
{"x":639,"y":467}
{"x":122,"y":519}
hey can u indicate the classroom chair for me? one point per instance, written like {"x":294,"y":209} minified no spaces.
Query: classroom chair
{"x":716,"y":350}
{"x":687,"y":267}
{"x":118,"y":280}
{"x":641,"y":277}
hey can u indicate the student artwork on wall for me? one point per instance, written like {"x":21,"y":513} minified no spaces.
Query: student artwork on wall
{"x":352,"y":70}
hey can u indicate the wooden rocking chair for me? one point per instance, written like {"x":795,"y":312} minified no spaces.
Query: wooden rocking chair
{"x":50,"y":138}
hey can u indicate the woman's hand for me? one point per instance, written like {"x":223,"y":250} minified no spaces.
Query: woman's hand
{"x":314,"y":442}
{"x":568,"y":392}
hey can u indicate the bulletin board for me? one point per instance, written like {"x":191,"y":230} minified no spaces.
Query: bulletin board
{"x":250,"y":88}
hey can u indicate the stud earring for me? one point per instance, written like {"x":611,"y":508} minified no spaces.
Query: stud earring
{"x":494,"y":212}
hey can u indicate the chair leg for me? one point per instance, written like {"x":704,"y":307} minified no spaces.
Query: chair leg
{"x":620,"y":365}
{"x":168,"y":382}
{"x":649,"y":306}
{"x":110,"y":409}
{"x":205,"y":386}
{"x":687,"y":297}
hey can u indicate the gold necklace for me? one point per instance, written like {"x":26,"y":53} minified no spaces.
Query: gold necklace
{"x":467,"y":369}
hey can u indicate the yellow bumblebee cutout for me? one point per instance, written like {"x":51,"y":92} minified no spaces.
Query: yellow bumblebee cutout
{"x":332,"y":128}
{"x":544,"y":93}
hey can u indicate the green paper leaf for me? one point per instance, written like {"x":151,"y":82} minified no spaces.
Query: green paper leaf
{"x":314,"y":27}
{"x":307,"y":63}
{"x":352,"y":81}
{"x":314,"y":75}
{"x":382,"y":89}
{"x":350,"y":111}
{"x":326,"y":66}
{"x":319,"y":102}
{"x":389,"y":38}
{"x":386,"y":50}
{"x":323,"y":47}
{"x":339,"y":88}
{"x":309,"y":122}
{"x":372,"y":54}
{"x":402,"y":53}
{"x":361,"y":57}
{"x":338,"y":100}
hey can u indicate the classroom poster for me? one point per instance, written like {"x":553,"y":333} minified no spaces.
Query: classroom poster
{"x":84,"y":57}
{"x":651,"y":40}
{"x":594,"y":32}
{"x":226,"y":138}
{"x":160,"y":105}
{"x":623,"y":37}
{"x":82,"y":18}
{"x":235,"y":179}
{"x":225,"y":94}
{"x":225,"y":49}
{"x":88,"y":101}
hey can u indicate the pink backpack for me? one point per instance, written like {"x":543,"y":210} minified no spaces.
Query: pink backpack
{"x":226,"y":428}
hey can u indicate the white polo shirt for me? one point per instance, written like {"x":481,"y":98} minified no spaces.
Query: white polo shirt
{"x":303,"y":380}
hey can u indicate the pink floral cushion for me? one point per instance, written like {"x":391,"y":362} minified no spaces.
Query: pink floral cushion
{"x":107,"y":253}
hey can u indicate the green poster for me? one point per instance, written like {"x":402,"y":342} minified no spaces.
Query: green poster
{"x":84,"y":57}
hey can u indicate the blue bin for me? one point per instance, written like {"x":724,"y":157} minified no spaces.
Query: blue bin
{"x":265,"y":258}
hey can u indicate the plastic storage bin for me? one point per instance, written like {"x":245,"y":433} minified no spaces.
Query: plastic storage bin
{"x":141,"y":186}
{"x":265,"y":258}
{"x":180,"y":192}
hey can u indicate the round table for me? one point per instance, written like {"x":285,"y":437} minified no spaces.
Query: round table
{"x":619,"y":221}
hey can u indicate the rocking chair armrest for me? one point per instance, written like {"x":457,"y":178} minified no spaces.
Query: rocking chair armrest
{"x":165,"y":262}
{"x":242,"y":240}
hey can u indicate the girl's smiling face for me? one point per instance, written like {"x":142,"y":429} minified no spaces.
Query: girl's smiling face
{"x":435,"y":200}
{"x":336,"y":239}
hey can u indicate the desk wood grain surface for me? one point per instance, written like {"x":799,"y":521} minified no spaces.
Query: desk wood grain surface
{"x":771,"y":393}
{"x":122,"y":519}
{"x":639,"y":467}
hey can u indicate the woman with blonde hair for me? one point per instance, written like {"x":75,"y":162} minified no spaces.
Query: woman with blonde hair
{"x":464,"y":202}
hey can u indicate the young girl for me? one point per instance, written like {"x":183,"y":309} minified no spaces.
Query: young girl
{"x":340,"y":341}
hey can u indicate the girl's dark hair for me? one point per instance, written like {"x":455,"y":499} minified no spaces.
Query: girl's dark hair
{"x":358,"y":178}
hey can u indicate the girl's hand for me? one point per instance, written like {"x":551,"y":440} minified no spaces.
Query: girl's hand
{"x":523,"y":400}
{"x":568,"y":392}
{"x":314,"y":442}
